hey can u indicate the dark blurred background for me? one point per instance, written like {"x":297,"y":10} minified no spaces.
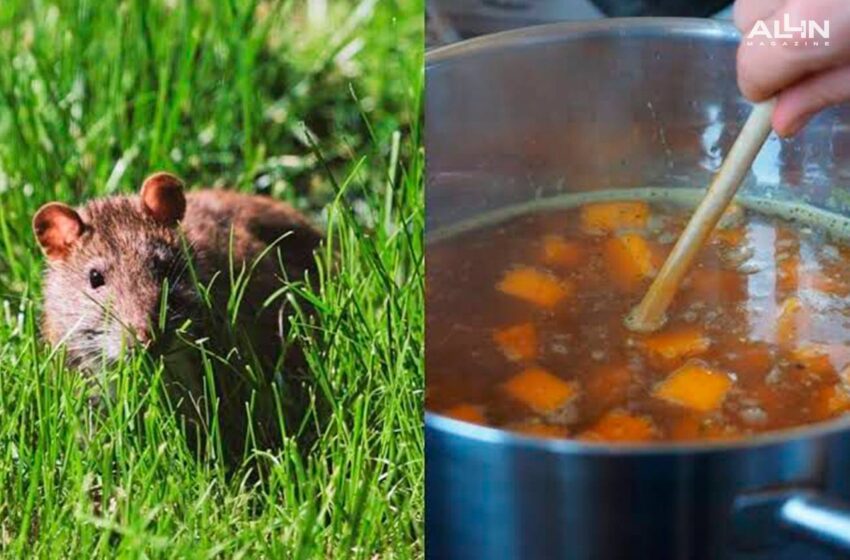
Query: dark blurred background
{"x":452,"y":20}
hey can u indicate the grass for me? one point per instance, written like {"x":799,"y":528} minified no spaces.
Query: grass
{"x":313,"y":102}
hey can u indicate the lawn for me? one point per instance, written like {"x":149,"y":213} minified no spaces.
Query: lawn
{"x":315,"y":102}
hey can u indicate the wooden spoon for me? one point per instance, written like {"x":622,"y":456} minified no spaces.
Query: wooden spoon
{"x":650,"y":314}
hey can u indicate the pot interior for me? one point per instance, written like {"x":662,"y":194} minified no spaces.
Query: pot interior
{"x":606,"y":105}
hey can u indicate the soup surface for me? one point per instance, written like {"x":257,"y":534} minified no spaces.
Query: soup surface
{"x":525,"y":325}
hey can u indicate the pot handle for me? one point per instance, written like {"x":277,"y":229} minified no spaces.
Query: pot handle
{"x":763,"y":519}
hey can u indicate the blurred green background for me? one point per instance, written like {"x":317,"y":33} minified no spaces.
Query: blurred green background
{"x":316,"y":102}
{"x":93,"y":94}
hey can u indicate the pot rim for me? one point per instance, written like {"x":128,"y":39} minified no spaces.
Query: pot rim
{"x":572,"y":30}
{"x":568,"y":31}
{"x":487,"y":434}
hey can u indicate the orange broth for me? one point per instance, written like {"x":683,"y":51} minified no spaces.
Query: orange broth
{"x":525,"y":326}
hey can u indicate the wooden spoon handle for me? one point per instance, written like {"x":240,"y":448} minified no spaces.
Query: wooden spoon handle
{"x":650,"y":314}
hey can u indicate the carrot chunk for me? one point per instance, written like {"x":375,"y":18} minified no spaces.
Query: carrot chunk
{"x":467,"y":413}
{"x":540,"y":390}
{"x":541,"y":430}
{"x":535,"y":286}
{"x":630,"y":260}
{"x":695,"y":386}
{"x":610,"y":216}
{"x":518,"y":342}
{"x":560,"y":252}
{"x":670,"y":347}
{"x":617,"y":425}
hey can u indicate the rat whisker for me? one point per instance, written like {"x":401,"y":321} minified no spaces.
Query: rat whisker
{"x":107,"y":310}
{"x":181,"y":265}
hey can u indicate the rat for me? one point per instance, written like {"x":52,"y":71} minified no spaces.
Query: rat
{"x":114,"y":264}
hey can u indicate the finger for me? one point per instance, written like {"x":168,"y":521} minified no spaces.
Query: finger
{"x":748,"y":12}
{"x":800,"y":102}
{"x":765,"y":68}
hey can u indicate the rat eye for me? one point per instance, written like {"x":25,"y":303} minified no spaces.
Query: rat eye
{"x":96,"y":279}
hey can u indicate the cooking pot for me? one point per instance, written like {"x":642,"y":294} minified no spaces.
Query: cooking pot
{"x":602,"y":105}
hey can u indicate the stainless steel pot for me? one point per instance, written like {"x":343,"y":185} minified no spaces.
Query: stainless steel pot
{"x":592,"y":106}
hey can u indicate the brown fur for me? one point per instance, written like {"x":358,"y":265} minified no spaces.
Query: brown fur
{"x":134,"y":250}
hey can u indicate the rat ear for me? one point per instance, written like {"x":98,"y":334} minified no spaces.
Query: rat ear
{"x":163,"y":198}
{"x":56,"y":227}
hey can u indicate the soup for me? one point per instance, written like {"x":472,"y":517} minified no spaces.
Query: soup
{"x":525,"y":324}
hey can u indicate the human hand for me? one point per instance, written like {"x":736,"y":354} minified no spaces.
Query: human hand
{"x":806,"y":78}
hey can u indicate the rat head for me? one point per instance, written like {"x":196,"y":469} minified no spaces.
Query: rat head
{"x":108,"y":264}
